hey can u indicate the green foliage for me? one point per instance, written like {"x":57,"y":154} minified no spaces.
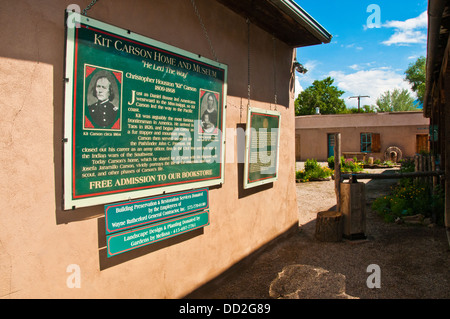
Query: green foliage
{"x":321,"y":94}
{"x":313,"y":171}
{"x":349,"y":165}
{"x":407,"y":165}
{"x":331,"y":162}
{"x":364,"y":109}
{"x":396,"y":101}
{"x":415,"y":75}
{"x":311,"y":164}
{"x":388,"y":163}
{"x":409,"y":198}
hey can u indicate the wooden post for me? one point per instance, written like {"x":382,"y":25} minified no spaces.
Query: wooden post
{"x":329,"y":223}
{"x":433,"y":168}
{"x":421,"y":167}
{"x":433,"y":184}
{"x":353,"y":210}
{"x":446,"y":150}
{"x":337,"y":170}
{"x":416,"y":167}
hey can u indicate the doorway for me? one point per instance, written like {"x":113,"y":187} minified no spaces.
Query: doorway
{"x":422,"y":144}
{"x":330,"y":138}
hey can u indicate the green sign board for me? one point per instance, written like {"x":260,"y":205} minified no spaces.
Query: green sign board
{"x":262,"y":147}
{"x":122,"y":216}
{"x":124,"y":241}
{"x":141,"y":117}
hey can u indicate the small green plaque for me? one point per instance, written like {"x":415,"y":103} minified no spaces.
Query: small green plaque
{"x":123,"y":216}
{"x":138,"y":237}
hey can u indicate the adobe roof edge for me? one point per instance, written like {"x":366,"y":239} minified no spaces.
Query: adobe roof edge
{"x":360,"y":114}
{"x":301,"y":16}
{"x":284,"y":19}
{"x":382,"y":119}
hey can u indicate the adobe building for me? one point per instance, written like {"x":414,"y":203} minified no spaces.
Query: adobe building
{"x":72,"y":177}
{"x":436,"y":104}
{"x":363,"y":135}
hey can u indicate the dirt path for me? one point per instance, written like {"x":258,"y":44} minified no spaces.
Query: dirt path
{"x":414,"y":261}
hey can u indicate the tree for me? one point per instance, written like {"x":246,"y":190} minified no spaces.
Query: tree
{"x":368,"y":108}
{"x":396,"y":101}
{"x":415,"y":75}
{"x":321,"y":94}
{"x":364,"y":109}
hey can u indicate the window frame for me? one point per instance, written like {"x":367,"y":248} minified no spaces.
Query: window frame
{"x":366,"y":144}
{"x":370,"y":142}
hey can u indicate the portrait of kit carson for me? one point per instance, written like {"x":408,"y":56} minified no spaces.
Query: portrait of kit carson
{"x":103,"y":107}
{"x":209,"y":112}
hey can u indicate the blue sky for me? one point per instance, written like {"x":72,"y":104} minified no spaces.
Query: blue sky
{"x":366,"y":56}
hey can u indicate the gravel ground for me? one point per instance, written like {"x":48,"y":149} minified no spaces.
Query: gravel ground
{"x":414,"y":261}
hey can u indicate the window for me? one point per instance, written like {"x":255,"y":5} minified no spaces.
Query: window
{"x":370,"y":143}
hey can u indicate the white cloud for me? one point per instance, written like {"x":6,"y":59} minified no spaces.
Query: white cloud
{"x":361,"y":66}
{"x":352,"y":45}
{"x":311,"y":75}
{"x":298,"y":88}
{"x":406,"y":31}
{"x":414,"y":23}
{"x":406,"y":37}
{"x":310,"y":65}
{"x":373,"y":82}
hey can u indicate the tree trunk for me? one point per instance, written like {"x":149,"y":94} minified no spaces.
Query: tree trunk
{"x":329,"y":226}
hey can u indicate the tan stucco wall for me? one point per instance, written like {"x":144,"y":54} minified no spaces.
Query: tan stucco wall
{"x":38,"y":240}
{"x":395,"y":129}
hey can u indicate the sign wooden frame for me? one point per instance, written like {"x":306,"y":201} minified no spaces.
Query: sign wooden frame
{"x":259,"y":167}
{"x":158,"y":89}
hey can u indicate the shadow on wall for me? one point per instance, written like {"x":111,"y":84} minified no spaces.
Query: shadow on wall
{"x":106,"y":262}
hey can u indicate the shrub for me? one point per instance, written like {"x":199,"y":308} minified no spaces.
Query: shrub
{"x":311,"y":164}
{"x":388,"y":163}
{"x":331,"y":162}
{"x":409,"y":198}
{"x":313,"y":171}
{"x":407,"y":165}
{"x":348,"y":165}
